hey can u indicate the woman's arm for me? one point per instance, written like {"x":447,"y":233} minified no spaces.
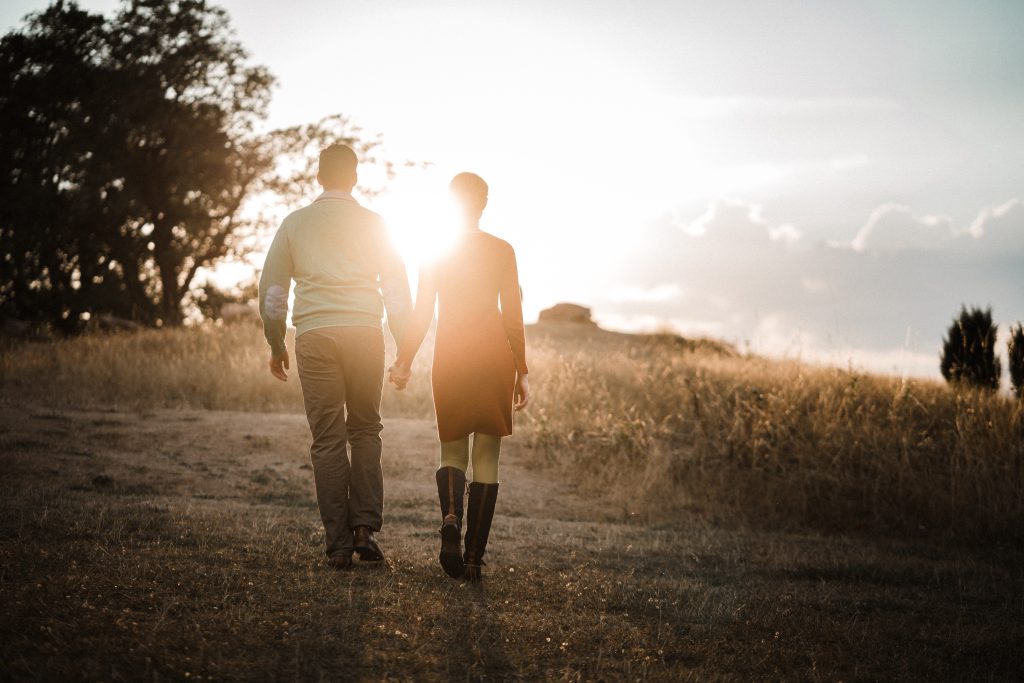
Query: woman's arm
{"x":511,"y":300}
{"x":419,"y":322}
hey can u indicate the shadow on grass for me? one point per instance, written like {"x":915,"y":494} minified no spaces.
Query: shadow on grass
{"x":473,"y":644}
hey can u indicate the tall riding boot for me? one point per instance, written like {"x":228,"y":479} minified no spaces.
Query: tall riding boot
{"x":478,"y":526}
{"x":451,"y":488}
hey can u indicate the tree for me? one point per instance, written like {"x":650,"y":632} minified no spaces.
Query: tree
{"x":130,"y":157}
{"x":209,"y":300}
{"x":1015,"y":347}
{"x":968,"y":353}
{"x":45,"y":194}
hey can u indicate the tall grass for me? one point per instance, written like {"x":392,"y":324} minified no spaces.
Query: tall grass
{"x":648,"y":423}
{"x":782,"y":442}
{"x":220,"y":368}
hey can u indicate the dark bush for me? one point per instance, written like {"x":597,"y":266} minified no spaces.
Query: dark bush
{"x":1016,"y":352}
{"x":968,"y":353}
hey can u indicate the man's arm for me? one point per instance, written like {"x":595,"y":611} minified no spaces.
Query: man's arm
{"x":416,"y":330}
{"x":275,"y":281}
{"x":394,"y":287}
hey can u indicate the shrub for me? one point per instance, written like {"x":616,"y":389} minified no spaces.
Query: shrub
{"x":968,"y":353}
{"x":1016,"y":352}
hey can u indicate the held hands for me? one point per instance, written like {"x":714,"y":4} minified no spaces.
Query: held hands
{"x":522,"y":392}
{"x":279,"y":366}
{"x":399,"y":375}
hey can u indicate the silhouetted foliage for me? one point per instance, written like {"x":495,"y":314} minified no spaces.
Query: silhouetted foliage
{"x":129,"y":151}
{"x":968,"y":352}
{"x":1015,"y":347}
{"x":209,"y":300}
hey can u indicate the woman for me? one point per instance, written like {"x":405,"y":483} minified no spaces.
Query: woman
{"x":479,"y":374}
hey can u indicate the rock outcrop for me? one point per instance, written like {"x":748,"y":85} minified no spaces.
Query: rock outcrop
{"x":567,"y":313}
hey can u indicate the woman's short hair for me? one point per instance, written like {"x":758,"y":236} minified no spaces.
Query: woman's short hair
{"x":337,"y":164}
{"x":470,"y":190}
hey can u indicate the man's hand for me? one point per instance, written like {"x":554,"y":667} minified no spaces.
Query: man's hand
{"x":279,"y":366}
{"x":522,"y":393}
{"x":399,"y":376}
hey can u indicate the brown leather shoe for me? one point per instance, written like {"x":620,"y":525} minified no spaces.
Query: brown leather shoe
{"x":340,"y":561}
{"x":366,"y":545}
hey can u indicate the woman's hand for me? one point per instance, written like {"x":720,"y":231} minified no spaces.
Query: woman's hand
{"x":399,"y":375}
{"x":522,"y":392}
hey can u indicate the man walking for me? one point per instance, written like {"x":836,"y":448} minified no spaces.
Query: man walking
{"x":346,"y":273}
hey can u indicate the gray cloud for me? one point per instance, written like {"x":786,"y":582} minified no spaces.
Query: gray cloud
{"x":720,"y":272}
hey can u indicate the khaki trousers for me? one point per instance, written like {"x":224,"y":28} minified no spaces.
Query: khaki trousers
{"x":341,"y":370}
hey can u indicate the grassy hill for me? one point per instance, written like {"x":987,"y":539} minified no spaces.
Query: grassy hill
{"x":670,"y":510}
{"x":652,"y":423}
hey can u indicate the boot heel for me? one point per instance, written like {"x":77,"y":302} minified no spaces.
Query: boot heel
{"x":451,"y":487}
{"x":451,"y":551}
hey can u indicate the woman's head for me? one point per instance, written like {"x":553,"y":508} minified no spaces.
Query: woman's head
{"x":470,"y":192}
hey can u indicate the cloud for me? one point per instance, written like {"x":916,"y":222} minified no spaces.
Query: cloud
{"x":847,"y":163}
{"x":894,"y":227}
{"x":640,"y":322}
{"x":1000,"y":228}
{"x":724,"y":214}
{"x":884,"y":305}
{"x":990,"y":214}
{"x":813,"y":285}
{"x":787,"y":232}
{"x":729,"y":219}
{"x":746,"y":107}
{"x":669,"y":291}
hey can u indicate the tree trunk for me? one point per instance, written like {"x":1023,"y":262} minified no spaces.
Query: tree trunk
{"x":170,"y":297}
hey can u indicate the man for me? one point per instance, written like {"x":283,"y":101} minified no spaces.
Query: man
{"x":346,"y":273}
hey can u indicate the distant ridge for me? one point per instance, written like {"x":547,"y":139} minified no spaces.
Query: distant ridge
{"x":571,"y":323}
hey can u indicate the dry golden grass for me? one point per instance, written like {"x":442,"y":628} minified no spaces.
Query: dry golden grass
{"x":217,"y":368}
{"x":780,"y":442}
{"x":651,"y":424}
{"x":184,"y":544}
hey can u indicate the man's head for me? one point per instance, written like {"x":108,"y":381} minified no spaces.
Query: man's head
{"x":470,"y":192}
{"x":338,"y":168}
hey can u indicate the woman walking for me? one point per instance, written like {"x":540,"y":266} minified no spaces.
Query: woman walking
{"x":479,"y":372}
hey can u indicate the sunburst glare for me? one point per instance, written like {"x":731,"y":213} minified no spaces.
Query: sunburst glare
{"x":420,"y":218}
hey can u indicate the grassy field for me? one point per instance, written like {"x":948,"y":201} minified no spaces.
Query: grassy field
{"x":670,"y":510}
{"x":655,"y":424}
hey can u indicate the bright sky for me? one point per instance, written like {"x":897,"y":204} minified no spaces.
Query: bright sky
{"x":829,"y":180}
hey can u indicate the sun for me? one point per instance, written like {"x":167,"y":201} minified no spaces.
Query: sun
{"x":420,"y":219}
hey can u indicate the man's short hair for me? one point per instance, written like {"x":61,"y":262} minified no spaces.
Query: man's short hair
{"x":337,"y":165}
{"x":470,"y":190}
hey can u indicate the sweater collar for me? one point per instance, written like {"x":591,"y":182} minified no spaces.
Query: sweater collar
{"x":335,"y":194}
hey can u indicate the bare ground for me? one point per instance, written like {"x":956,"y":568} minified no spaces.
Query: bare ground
{"x":185,"y":545}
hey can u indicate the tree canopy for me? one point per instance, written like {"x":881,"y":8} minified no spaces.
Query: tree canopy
{"x":130,"y":145}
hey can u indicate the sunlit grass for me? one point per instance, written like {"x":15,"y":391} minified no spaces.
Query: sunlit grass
{"x":650,"y":424}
